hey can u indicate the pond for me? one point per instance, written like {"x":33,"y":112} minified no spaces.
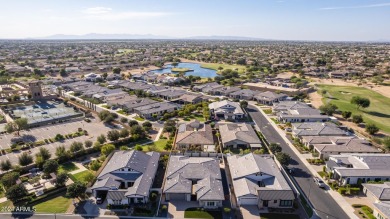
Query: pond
{"x":197,"y":70}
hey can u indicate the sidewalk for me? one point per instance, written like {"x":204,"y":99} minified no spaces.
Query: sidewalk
{"x":159,"y":134}
{"x":348,"y":209}
{"x":81,"y":168}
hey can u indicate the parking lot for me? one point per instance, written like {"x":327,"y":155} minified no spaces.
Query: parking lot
{"x":94,"y":128}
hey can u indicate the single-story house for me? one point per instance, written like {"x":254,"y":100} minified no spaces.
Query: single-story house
{"x":354,"y":168}
{"x":127,"y":178}
{"x":195,"y":134}
{"x":236,"y":135}
{"x":333,"y":145}
{"x":244,"y":94}
{"x":158,"y":109}
{"x":316,"y":129}
{"x":257,"y":180}
{"x":194,"y":178}
{"x":269,"y":97}
{"x":226,"y":110}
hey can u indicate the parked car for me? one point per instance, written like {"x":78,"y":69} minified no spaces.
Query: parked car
{"x":99,"y":200}
{"x":319,"y":182}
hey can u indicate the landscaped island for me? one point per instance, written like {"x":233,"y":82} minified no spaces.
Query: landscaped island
{"x":181,"y":69}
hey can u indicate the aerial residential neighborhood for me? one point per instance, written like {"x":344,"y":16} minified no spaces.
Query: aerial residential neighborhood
{"x":195,"y":109}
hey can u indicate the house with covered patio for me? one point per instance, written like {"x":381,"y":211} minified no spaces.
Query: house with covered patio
{"x":194,"y":179}
{"x":127,"y":178}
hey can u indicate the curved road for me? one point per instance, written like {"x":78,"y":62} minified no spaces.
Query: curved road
{"x":323,"y":203}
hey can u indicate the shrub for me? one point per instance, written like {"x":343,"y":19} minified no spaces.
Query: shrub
{"x":342,"y":190}
{"x":227,"y":210}
{"x":164,"y":207}
{"x":354,"y":191}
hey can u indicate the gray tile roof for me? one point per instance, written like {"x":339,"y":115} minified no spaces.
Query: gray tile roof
{"x":194,"y":133}
{"x":183,"y":170}
{"x":383,"y":207}
{"x":226,"y":106}
{"x":116,"y":194}
{"x":145,"y":165}
{"x":269,"y":96}
{"x":290,"y":105}
{"x":244,"y":93}
{"x":348,"y":146}
{"x":380,"y":191}
{"x":209,"y":188}
{"x":156,"y":108}
{"x":274,"y":185}
{"x":242,"y":132}
{"x":364,"y":165}
{"x":316,"y":129}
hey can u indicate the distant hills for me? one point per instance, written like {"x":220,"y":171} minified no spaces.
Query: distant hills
{"x":97,"y":36}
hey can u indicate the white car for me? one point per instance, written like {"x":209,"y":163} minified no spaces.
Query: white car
{"x":319,"y":182}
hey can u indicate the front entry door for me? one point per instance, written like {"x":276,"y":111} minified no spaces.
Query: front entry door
{"x":265,"y":203}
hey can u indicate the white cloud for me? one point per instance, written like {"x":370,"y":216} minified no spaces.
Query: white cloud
{"x":359,"y":6}
{"x":112,"y":16}
{"x":97,"y":10}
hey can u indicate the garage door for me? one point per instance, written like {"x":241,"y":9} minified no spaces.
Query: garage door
{"x":179,"y":196}
{"x":247,"y":201}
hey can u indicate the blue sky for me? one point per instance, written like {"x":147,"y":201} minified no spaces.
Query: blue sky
{"x":270,"y":19}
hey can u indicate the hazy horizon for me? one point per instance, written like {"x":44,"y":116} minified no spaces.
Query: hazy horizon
{"x":296,"y":20}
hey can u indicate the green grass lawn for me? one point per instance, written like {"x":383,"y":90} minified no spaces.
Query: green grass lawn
{"x":67,"y":167}
{"x":199,"y":117}
{"x":83,"y":176}
{"x":215,"y":66}
{"x":59,"y":204}
{"x":160,"y":144}
{"x":180,"y":69}
{"x":378,"y":112}
{"x":139,"y":118}
{"x":5,"y":204}
{"x":278,"y":216}
{"x":198,"y":213}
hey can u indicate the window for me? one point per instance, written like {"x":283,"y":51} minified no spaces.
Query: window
{"x":285,"y":203}
{"x":210,"y":204}
{"x":275,"y":201}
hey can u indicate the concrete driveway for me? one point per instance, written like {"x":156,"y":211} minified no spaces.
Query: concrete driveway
{"x":176,"y":208}
{"x":250,"y":212}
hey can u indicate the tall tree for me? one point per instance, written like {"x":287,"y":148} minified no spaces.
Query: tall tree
{"x":50,"y":166}
{"x":283,"y":158}
{"x":25,"y":159}
{"x":107,"y":149}
{"x":113,"y":135}
{"x":76,"y":190}
{"x":61,"y":153}
{"x":16,"y":192}
{"x":17,"y":125}
{"x":9,"y":179}
{"x":360,"y":101}
{"x":61,"y":179}
{"x":44,"y":153}
{"x":328,"y":109}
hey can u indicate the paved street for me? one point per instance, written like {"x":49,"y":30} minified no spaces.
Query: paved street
{"x":324,"y":204}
